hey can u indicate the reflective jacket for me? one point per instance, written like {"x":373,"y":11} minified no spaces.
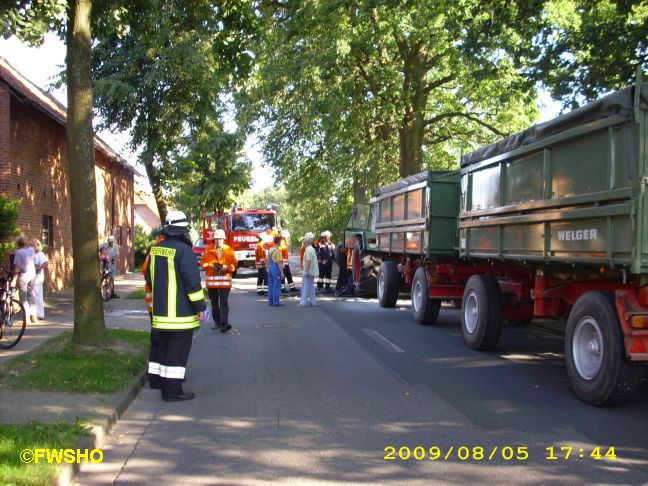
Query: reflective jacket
{"x":174,"y":280}
{"x":284,"y":251}
{"x":260,"y":256}
{"x":213,"y":278}
{"x":148,"y":297}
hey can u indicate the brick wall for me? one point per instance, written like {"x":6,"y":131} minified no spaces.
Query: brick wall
{"x":37,"y":172}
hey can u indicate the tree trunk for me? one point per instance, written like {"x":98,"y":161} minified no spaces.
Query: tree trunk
{"x":413,"y":125}
{"x":154,"y":180}
{"x":89,"y":327}
{"x":359,"y":192}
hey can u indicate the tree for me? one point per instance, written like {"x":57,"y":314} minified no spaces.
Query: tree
{"x":30,"y":20}
{"x":161,"y":68}
{"x":212,"y":173}
{"x":589,"y":47}
{"x":89,"y":326}
{"x":8,"y":218}
{"x":352,"y":95}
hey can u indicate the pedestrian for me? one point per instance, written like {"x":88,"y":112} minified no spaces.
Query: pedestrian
{"x":287,"y":283}
{"x":261,"y":263}
{"x":309,"y":272}
{"x":275,"y":273}
{"x":219,"y":263}
{"x":325,"y":257}
{"x":40,"y":263}
{"x":112,"y":249}
{"x":341,"y":259}
{"x":24,"y":275}
{"x":178,"y":305}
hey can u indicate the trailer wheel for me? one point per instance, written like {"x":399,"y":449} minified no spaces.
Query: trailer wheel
{"x":424,"y":309}
{"x":388,"y":284}
{"x":482,"y":312}
{"x":597,"y":367}
{"x":365,"y":267}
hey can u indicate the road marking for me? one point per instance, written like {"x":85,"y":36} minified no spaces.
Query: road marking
{"x":383,"y":341}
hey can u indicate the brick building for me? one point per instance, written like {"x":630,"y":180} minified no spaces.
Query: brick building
{"x":34,"y":168}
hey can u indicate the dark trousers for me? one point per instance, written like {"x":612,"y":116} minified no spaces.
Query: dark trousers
{"x":324,"y":279}
{"x":171,"y":350}
{"x":288,"y":277}
{"x":343,"y":278}
{"x":262,"y":280}
{"x":219,"y":305}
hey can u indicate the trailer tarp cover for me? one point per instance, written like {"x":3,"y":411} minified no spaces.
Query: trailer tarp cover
{"x":402,"y":183}
{"x":617,"y":103}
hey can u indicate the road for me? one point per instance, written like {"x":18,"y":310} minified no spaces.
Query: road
{"x":320,"y":395}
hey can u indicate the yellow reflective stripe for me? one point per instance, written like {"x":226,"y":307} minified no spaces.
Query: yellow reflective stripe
{"x":173,"y":289}
{"x":152,"y":270}
{"x":175,"y":327}
{"x":196,"y":296}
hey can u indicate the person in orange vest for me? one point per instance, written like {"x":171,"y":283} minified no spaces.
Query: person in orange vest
{"x":286,"y":264}
{"x":219,"y":264}
{"x":261,"y":263}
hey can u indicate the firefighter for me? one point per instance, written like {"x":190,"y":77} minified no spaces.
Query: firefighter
{"x":287,"y":283}
{"x":219,"y":263}
{"x":341,"y":260}
{"x":261,"y":264}
{"x":178,"y":305}
{"x":154,"y":372}
{"x":325,"y":257}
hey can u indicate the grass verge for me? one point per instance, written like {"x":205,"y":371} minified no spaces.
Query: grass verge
{"x":60,"y":365}
{"x":136,"y":295}
{"x":15,"y":438}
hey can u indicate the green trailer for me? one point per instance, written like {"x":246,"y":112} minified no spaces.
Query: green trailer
{"x":551,"y":222}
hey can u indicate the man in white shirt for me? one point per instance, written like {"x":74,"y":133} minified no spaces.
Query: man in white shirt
{"x":310,"y":272}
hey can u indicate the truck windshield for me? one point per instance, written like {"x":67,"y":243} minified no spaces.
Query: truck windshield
{"x":253,"y":222}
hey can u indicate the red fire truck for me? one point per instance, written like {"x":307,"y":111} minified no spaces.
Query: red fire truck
{"x":242,"y":227}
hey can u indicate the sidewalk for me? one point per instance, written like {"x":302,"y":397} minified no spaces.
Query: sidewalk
{"x":17,"y":406}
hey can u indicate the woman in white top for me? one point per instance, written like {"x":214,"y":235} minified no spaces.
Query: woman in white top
{"x":25,"y":273}
{"x":40,"y":262}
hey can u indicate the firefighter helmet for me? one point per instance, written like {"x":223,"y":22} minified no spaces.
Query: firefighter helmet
{"x":219,"y":234}
{"x":326,"y":233}
{"x":176,"y":218}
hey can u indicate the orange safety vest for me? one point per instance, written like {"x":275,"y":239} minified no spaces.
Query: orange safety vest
{"x":227,"y":260}
{"x":284,"y":251}
{"x":260,"y":256}
{"x":148,"y":296}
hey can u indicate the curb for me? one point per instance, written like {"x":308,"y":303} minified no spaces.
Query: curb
{"x":100,"y":429}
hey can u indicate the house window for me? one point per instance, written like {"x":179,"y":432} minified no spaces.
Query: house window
{"x":46,"y":233}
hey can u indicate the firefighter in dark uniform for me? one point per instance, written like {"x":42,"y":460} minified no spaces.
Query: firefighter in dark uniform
{"x":325,"y":257}
{"x":178,"y":305}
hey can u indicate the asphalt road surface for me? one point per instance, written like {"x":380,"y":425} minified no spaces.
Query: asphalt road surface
{"x":350,"y":393}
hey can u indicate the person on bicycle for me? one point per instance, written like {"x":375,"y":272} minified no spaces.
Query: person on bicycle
{"x":112,"y":249}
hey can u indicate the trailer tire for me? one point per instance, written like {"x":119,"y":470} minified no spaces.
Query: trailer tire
{"x":482,"y":311}
{"x":388,"y":284}
{"x":598,"y":370}
{"x":365,"y":267}
{"x":424,"y":310}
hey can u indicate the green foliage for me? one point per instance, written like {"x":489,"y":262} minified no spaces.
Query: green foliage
{"x":143,"y":242}
{"x":14,"y":438}
{"x":161,"y":70}
{"x":586,"y":48}
{"x":213,"y":172}
{"x":82,"y":369}
{"x":30,"y":20}
{"x":8,"y":218}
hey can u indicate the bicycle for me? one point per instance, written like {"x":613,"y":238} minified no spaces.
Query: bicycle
{"x":13,"y":318}
{"x":107,"y":282}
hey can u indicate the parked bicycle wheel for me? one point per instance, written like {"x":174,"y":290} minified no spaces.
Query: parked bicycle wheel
{"x":107,"y":287}
{"x":13,"y":320}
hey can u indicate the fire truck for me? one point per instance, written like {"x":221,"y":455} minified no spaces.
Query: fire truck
{"x":242,"y":228}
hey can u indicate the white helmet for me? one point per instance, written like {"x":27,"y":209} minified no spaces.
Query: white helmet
{"x":285,"y":234}
{"x":219,"y":234}
{"x":326,"y":233}
{"x":177,"y":218}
